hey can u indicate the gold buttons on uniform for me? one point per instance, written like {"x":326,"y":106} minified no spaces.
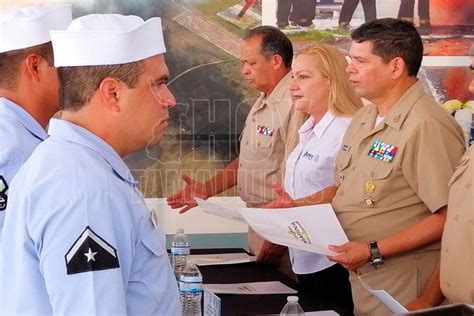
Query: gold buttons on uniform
{"x":468,"y":185}
{"x":341,"y":177}
{"x":396,"y":119}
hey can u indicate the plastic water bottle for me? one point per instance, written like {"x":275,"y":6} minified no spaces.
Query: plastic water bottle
{"x":180,"y":250}
{"x":292,"y":307}
{"x":190,"y":289}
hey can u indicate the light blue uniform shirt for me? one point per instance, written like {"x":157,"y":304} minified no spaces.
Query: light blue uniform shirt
{"x":78,"y":238}
{"x":20,"y":133}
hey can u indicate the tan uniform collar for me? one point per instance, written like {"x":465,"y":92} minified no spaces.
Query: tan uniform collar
{"x":274,"y":98}
{"x":397,"y":115}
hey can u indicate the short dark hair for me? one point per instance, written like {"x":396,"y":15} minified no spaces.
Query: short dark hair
{"x":393,"y":38}
{"x":77,"y":84}
{"x":10,"y":63}
{"x":274,"y":42}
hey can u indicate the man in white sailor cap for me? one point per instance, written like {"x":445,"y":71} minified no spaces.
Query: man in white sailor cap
{"x":78,"y":236}
{"x":28,"y":85}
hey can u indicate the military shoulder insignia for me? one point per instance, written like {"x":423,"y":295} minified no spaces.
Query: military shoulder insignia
{"x":90,"y":252}
{"x":264,"y":130}
{"x":3,"y":193}
{"x":382,"y":151}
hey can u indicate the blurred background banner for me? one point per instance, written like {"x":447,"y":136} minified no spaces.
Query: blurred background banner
{"x":203,"y":40}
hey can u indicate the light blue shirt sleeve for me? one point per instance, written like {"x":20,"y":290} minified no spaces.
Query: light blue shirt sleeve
{"x":99,"y":292}
{"x":20,"y":134}
{"x":78,"y":238}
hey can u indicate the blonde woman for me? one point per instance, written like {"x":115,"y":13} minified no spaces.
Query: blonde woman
{"x":321,"y":89}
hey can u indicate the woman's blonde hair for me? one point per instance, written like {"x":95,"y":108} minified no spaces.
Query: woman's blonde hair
{"x":331,"y":62}
{"x":342,"y":98}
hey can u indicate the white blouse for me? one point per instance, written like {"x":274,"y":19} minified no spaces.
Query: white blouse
{"x":309,"y":169}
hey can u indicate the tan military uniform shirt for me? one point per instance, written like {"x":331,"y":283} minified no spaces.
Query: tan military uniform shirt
{"x":457,"y":248}
{"x":393,"y":175}
{"x":262,"y":149}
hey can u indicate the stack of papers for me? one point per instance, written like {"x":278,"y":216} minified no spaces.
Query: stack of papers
{"x":221,"y":258}
{"x":252,"y":288}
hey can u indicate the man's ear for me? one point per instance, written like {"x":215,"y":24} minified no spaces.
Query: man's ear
{"x":398,"y":67}
{"x":31,"y":66}
{"x":109,"y":91}
{"x":277,"y":61}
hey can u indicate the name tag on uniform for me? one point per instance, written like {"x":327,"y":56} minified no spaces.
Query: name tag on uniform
{"x":264,"y":130}
{"x":310,"y":156}
{"x":382,"y":151}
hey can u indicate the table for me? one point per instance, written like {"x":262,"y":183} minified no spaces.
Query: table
{"x":253,"y":272}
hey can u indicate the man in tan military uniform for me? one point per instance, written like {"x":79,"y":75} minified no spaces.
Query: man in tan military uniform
{"x":393,"y":168}
{"x":457,"y":246}
{"x":270,"y":129}
{"x":262,"y":150}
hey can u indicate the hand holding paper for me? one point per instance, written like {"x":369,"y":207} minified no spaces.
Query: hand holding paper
{"x":311,"y":228}
{"x":351,"y":255}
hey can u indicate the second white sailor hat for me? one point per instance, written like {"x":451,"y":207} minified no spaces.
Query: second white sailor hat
{"x":27,"y":27}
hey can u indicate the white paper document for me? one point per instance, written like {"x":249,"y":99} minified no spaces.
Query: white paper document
{"x":253,"y":288}
{"x":386,"y":299}
{"x":221,"y":258}
{"x":311,"y":228}
{"x":219,"y":210}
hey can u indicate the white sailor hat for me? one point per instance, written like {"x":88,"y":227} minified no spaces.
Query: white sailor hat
{"x":27,"y":27}
{"x":107,"y":39}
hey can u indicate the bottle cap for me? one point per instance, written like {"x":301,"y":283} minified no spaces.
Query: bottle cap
{"x":180,"y":231}
{"x":292,"y":299}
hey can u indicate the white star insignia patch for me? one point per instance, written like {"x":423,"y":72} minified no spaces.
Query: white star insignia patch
{"x":90,"y":252}
{"x":90,"y":255}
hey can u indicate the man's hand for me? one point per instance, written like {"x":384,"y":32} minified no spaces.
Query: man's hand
{"x":353,"y":255}
{"x":419,"y":303}
{"x":186,"y":196}
{"x":283,"y":199}
{"x":271,"y":253}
